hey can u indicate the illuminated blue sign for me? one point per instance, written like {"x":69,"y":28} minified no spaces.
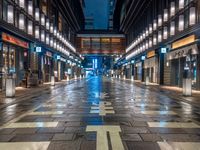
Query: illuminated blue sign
{"x":58,"y":57}
{"x":133,"y":61}
{"x":163,"y":50}
{"x":143,"y":58}
{"x":38,"y":49}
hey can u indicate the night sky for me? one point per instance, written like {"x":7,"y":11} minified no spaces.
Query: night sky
{"x":99,"y":9}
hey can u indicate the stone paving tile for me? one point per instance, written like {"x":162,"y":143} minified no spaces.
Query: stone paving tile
{"x":181,"y":137}
{"x":139,"y":123}
{"x":88,"y":145}
{"x":74,"y":129}
{"x":6,"y":138}
{"x":151,"y":137}
{"x":51,"y":130}
{"x":65,"y":145}
{"x":167,"y":130}
{"x":131,"y":137}
{"x":142,"y":146}
{"x":6,"y":131}
{"x":134,"y":130}
{"x":25,"y":131}
{"x":91,"y":136}
{"x":32,"y":137}
{"x":63,"y":137}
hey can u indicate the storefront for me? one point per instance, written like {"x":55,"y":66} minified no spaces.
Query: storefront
{"x":63,"y":68}
{"x":47,"y":60}
{"x":128,"y":71}
{"x":183,"y":58}
{"x":151,"y":67}
{"x":138,"y":71}
{"x":14,"y":60}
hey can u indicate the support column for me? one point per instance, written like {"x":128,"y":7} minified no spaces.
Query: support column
{"x":161,"y":69}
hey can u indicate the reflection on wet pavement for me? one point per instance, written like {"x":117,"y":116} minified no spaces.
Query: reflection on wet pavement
{"x":103,"y":114}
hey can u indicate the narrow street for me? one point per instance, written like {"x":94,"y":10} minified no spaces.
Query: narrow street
{"x":100,"y":113}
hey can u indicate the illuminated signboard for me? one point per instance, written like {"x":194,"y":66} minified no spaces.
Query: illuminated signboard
{"x":58,"y":57}
{"x":14,"y":40}
{"x":183,"y":42}
{"x":133,"y":61}
{"x":151,"y":54}
{"x":163,"y":50}
{"x":38,"y":49}
{"x":143,"y":58}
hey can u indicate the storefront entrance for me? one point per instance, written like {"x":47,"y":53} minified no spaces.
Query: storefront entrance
{"x":15,"y":63}
{"x":181,"y":60}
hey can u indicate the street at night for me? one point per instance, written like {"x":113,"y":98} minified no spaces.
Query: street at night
{"x":99,"y":74}
{"x":100,"y":113}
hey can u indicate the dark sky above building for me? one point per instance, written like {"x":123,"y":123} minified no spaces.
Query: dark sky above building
{"x":99,"y":10}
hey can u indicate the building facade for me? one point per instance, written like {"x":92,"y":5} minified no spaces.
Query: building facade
{"x":37,"y":40}
{"x":163,"y":46}
{"x":111,"y":7}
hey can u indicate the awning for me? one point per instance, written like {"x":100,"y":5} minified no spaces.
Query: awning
{"x":183,"y":52}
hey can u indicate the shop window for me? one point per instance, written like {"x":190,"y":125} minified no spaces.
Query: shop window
{"x":8,"y":59}
{"x":11,"y":59}
{"x":5,"y":59}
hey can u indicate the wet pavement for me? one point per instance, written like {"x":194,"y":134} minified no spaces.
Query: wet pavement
{"x":102,"y":114}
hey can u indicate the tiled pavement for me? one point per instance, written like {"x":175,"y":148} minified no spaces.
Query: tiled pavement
{"x":103,"y":114}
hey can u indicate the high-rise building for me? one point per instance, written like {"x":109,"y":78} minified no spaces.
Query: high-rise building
{"x":111,"y":6}
{"x":89,"y":23}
